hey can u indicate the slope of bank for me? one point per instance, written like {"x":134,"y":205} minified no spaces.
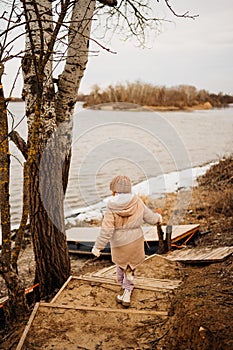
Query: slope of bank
{"x":203,"y":305}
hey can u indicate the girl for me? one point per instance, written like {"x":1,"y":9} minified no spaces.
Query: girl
{"x":121,"y":227}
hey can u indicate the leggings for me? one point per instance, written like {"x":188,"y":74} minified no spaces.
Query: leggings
{"x":123,"y":280}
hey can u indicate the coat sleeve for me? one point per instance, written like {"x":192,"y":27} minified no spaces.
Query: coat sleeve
{"x":106,"y":231}
{"x":150,"y":217}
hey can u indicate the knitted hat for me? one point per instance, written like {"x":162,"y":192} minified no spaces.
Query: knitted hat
{"x":120,"y":184}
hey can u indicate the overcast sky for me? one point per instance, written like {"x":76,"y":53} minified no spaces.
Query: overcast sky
{"x":192,"y":52}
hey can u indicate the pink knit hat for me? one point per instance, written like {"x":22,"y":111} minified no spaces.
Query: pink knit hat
{"x":120,"y":184}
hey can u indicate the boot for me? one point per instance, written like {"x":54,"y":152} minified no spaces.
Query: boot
{"x":119,"y":298}
{"x":126,"y":298}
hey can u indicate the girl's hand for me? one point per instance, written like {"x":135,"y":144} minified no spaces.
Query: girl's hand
{"x":95,"y":251}
{"x":159,"y":211}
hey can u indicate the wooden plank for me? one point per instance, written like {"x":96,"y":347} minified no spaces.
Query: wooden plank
{"x":204,"y":254}
{"x":105,"y":271}
{"x":112,"y":269}
{"x":86,"y":252}
{"x":220,"y":253}
{"x":140,"y":282}
{"x":27,"y":328}
{"x":161,"y":283}
{"x":183,"y":232}
{"x":101,"y":309}
{"x":2,"y":301}
{"x":216,"y":255}
{"x":194,"y":255}
{"x":178,"y":232}
{"x":61,"y":289}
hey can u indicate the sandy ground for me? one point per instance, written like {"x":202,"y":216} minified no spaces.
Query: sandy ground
{"x":202,"y":306}
{"x":109,"y":325}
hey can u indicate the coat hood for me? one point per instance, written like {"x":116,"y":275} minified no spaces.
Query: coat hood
{"x":124,"y":204}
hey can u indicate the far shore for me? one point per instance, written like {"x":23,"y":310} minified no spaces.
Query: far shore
{"x":124,"y":106}
{"x":133,"y":107}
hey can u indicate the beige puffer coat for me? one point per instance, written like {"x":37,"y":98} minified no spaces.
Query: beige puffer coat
{"x":121,"y":227}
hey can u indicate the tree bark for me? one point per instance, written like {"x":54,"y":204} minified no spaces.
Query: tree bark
{"x":25,"y":213}
{"x":45,"y":196}
{"x":77,"y":57}
{"x":47,"y":218}
{"x":16,"y":306}
{"x":49,"y":130}
{"x":4,"y":179}
{"x":69,"y":80}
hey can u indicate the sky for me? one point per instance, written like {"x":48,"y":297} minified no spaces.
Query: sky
{"x":192,"y":52}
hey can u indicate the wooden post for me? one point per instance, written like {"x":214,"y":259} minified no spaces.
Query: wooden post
{"x":168,"y":237}
{"x":161,"y":248}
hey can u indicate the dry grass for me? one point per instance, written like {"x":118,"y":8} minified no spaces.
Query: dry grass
{"x":219,"y":175}
{"x":219,"y":182}
{"x":143,"y":94}
{"x":211,"y":204}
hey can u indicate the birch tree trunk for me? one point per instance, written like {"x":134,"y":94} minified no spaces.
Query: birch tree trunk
{"x":77,"y":57}
{"x":49,"y":119}
{"x":49,"y":240}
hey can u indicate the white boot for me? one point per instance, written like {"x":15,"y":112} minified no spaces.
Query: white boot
{"x":119,"y":298}
{"x":126,"y":298}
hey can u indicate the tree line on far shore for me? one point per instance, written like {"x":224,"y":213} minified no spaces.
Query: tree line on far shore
{"x":145,"y":94}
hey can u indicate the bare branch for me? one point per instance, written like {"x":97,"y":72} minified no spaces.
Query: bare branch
{"x":64,"y":7}
{"x":8,"y":26}
{"x":184,"y":15}
{"x":19,"y":142}
{"x":14,"y":82}
{"x":110,"y":3}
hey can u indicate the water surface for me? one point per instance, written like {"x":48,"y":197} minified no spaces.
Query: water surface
{"x":141,"y":145}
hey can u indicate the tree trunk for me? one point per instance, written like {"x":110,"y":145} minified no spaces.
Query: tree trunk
{"x":76,"y":61}
{"x":4,"y":179}
{"x":16,"y":306}
{"x":46,"y":199}
{"x":47,"y":217}
{"x":50,"y":128}
{"x":24,"y":219}
{"x":45,"y":196}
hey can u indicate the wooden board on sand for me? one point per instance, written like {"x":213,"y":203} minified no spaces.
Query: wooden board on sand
{"x":200,"y":255}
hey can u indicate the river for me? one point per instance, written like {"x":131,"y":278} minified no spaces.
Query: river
{"x":143,"y":145}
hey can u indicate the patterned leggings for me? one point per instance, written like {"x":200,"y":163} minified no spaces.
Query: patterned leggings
{"x":123,"y":280}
